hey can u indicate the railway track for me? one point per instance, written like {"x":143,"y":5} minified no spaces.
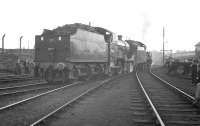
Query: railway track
{"x":165,"y":104}
{"x":19,"y":83}
{"x":55,"y":100}
{"x":10,"y":90}
{"x":42,"y":120}
{"x":11,"y":78}
{"x":4,"y":74}
{"x":14,"y":94}
{"x":44,"y":87}
{"x":67,"y":104}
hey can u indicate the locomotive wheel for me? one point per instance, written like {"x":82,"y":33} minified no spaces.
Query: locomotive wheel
{"x":98,"y":69}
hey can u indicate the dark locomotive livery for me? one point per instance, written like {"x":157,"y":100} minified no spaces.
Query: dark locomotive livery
{"x":79,"y":50}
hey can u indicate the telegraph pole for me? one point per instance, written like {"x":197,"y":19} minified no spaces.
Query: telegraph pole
{"x":28,"y":44}
{"x":109,"y":51}
{"x":163,"y":45}
{"x":3,"y":42}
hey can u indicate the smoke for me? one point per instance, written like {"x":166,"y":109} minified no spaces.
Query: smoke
{"x":145,"y":26}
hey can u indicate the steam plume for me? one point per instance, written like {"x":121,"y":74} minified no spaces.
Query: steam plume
{"x":145,"y":27}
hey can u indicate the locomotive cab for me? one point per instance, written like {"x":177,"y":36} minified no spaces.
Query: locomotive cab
{"x":51,"y":48}
{"x":119,"y":49}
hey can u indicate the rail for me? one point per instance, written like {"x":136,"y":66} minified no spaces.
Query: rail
{"x":69,"y":102}
{"x":174,"y":87}
{"x":150,"y":102}
{"x":38,"y":95}
{"x":25,"y":85}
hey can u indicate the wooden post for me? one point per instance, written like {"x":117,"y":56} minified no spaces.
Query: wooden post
{"x":163,"y":45}
{"x":3,"y":42}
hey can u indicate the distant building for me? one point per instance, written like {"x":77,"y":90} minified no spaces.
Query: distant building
{"x":182,"y":55}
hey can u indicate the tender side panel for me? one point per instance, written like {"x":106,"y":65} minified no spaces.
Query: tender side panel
{"x":88,"y":47}
{"x":52,"y":49}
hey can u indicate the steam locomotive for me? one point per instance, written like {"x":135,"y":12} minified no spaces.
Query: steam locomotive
{"x":78,"y":50}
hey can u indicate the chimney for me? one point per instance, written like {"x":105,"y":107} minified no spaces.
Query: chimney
{"x":120,"y":37}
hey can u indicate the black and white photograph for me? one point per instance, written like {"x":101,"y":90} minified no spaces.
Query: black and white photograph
{"x":99,"y":63}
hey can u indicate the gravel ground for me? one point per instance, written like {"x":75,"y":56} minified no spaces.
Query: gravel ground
{"x":24,"y":114}
{"x":108,"y":106}
{"x":175,"y":79}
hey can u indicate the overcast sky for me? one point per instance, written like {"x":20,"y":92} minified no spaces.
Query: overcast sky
{"x":140,"y":20}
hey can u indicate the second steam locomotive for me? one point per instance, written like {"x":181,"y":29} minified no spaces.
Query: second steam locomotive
{"x":79,"y":50}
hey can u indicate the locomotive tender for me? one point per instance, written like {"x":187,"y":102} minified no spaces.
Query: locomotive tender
{"x":84,"y":50}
